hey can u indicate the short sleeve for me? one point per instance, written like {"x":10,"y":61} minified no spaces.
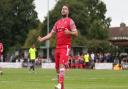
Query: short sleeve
{"x":72,"y":25}
{"x":54,"y":28}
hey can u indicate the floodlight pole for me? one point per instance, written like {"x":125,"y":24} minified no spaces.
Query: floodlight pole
{"x":48,"y":42}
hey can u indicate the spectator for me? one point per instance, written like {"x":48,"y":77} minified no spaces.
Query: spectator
{"x":86,"y":60}
{"x":32,"y":56}
{"x":92,"y":60}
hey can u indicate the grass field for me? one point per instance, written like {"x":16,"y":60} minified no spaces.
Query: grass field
{"x":75,"y":79}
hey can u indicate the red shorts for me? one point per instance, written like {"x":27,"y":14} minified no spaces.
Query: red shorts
{"x":61,"y":56}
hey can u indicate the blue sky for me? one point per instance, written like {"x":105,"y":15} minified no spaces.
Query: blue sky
{"x":116,"y":9}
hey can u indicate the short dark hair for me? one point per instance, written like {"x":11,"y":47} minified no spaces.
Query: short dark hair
{"x":67,"y":5}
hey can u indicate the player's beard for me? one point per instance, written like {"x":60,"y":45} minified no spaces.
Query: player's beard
{"x":64,"y":16}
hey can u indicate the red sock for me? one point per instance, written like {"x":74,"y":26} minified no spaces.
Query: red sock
{"x":62,"y":85}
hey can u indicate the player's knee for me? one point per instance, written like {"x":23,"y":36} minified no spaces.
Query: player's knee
{"x":62,"y":66}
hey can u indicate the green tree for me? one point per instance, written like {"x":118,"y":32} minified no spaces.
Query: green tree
{"x":99,"y":24}
{"x":99,"y":46}
{"x":32,"y":37}
{"x":17,"y":17}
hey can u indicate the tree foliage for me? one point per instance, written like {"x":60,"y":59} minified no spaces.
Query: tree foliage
{"x":32,"y":37}
{"x":17,"y":17}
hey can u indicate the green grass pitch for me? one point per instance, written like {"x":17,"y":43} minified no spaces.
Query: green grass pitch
{"x":74,"y":79}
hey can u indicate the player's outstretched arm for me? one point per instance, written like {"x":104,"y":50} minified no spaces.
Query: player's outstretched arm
{"x":47,"y":37}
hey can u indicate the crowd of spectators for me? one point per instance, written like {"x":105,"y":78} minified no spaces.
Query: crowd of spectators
{"x":88,"y":60}
{"x":85,"y":60}
{"x":22,"y":58}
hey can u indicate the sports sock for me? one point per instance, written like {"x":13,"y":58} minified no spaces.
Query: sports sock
{"x":61,"y":76}
{"x":62,"y":85}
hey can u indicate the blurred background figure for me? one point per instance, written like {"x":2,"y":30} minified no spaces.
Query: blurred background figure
{"x":1,"y":51}
{"x":32,"y":57}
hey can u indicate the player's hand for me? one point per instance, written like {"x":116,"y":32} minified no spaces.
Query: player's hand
{"x":39,"y":39}
{"x":66,"y":31}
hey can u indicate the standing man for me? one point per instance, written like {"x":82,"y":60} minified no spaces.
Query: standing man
{"x":64,"y":28}
{"x":32,"y":57}
{"x":1,"y":51}
{"x":86,"y":60}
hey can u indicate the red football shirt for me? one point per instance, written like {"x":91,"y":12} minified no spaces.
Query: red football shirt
{"x":62,"y":39}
